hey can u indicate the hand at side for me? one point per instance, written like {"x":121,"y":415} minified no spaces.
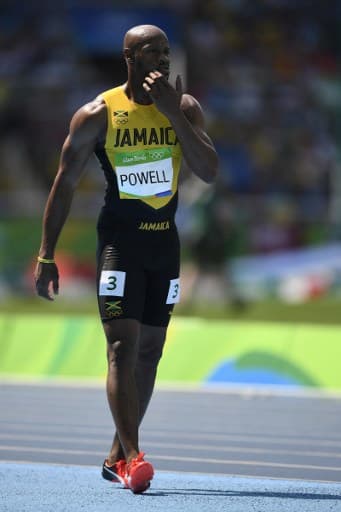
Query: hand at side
{"x":44,"y":275}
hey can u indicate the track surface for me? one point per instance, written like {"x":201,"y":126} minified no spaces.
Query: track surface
{"x":258,"y":434}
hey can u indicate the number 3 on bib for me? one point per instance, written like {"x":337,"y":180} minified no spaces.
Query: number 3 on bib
{"x":112,"y":283}
{"x":173,"y":296}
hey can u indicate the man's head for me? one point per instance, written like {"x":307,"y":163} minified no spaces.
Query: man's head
{"x":146,"y":48}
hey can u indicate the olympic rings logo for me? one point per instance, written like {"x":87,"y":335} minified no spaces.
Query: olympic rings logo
{"x":121,"y":120}
{"x":156,"y":155}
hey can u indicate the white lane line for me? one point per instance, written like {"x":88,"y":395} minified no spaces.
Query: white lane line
{"x":244,"y":462}
{"x":146,"y":433}
{"x":164,"y":432}
{"x":181,"y":387}
{"x":249,"y":438}
{"x":34,"y":449}
{"x":238,"y":449}
{"x":261,"y":479}
{"x":51,"y":382}
{"x":176,"y":458}
{"x":167,"y":445}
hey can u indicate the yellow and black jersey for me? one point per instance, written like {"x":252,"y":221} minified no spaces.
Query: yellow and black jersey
{"x":141,"y":159}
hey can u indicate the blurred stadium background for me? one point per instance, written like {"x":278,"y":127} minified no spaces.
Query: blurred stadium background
{"x":264,"y":243}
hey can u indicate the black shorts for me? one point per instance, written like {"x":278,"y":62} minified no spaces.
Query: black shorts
{"x":138,"y":277}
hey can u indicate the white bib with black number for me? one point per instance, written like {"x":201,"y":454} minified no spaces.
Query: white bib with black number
{"x":112,"y":283}
{"x":173,"y":292}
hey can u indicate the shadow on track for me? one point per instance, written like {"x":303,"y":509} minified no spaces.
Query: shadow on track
{"x":241,"y":494}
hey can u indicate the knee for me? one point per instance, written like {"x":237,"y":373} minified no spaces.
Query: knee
{"x":150,"y":351}
{"x":121,"y":353}
{"x":122,"y":337}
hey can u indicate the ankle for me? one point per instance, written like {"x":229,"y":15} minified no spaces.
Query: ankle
{"x":110,"y":461}
{"x":115,"y":456}
{"x":131,"y":455}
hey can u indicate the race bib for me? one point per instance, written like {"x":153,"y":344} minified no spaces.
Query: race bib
{"x":173,"y":292}
{"x":112,"y":283}
{"x":145,"y":173}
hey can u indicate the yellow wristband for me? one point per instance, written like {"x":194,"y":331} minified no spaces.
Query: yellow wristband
{"x":44,"y":260}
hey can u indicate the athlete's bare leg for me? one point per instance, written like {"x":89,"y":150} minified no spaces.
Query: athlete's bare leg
{"x":150,"y":347}
{"x":122,"y":345}
{"x":152,"y":340}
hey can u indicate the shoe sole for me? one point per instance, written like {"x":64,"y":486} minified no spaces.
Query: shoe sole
{"x":140,"y":480}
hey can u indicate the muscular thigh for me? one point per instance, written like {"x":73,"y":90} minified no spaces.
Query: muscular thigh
{"x":151,"y":342}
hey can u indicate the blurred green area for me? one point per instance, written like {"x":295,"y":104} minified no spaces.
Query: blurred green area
{"x":318,"y":311}
{"x":20,"y":241}
{"x":19,"y":246}
{"x":233,"y":351}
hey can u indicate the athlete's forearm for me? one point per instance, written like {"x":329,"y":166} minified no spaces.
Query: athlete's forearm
{"x":56,"y":212}
{"x":199,"y":154}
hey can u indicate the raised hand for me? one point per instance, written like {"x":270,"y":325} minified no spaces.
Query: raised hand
{"x":166,"y":97}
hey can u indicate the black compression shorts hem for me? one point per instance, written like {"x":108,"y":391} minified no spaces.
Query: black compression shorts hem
{"x":152,"y":323}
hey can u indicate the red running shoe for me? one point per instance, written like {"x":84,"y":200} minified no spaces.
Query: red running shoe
{"x":139,"y":473}
{"x":116,"y":472}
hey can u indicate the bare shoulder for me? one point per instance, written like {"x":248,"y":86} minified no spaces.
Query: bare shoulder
{"x":91,"y":113}
{"x":192,"y":109}
{"x":89,"y":122}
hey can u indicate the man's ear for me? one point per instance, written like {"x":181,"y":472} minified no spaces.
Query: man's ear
{"x":128,"y":54}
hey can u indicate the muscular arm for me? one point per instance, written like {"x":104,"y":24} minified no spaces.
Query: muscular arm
{"x":197,"y":147}
{"x":85,"y":129}
{"x":186,"y":116}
